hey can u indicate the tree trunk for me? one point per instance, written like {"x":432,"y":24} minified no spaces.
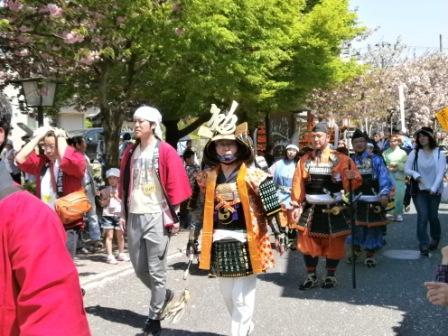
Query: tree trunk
{"x":112,"y":123}
{"x":112,"y":118}
{"x":173,"y":134}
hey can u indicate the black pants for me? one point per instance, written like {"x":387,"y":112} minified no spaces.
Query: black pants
{"x":407,"y":196}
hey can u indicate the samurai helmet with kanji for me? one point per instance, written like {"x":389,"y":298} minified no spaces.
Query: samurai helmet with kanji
{"x":222,"y":126}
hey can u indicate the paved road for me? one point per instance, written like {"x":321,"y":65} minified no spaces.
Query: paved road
{"x":389,"y":300}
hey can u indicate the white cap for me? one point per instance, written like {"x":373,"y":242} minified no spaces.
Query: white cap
{"x":291,"y":146}
{"x":113,"y":172}
{"x":150,"y":114}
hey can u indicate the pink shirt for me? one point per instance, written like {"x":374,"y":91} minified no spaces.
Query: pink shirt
{"x":39,"y":286}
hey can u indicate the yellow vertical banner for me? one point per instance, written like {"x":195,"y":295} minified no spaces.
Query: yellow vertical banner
{"x":442,"y":118}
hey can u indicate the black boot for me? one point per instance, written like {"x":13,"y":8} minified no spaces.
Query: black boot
{"x":152,"y":328}
{"x":434,"y":245}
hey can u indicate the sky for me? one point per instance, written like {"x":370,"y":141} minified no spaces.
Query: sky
{"x":417,"y":22}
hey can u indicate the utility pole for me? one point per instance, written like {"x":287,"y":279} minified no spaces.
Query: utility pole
{"x":440,"y":43}
{"x":401,"y":99}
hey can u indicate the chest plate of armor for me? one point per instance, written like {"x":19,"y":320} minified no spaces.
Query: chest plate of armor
{"x":370,"y":184}
{"x":228,"y":210}
{"x":321,"y":179}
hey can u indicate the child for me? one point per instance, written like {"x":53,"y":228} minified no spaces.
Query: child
{"x":111,"y":216}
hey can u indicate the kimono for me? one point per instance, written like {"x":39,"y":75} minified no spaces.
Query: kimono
{"x":283,"y":172}
{"x":397,"y":158}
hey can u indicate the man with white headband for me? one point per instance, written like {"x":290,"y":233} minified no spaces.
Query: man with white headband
{"x":153,"y":183}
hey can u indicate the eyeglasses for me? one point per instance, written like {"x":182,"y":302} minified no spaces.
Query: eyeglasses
{"x":48,"y":146}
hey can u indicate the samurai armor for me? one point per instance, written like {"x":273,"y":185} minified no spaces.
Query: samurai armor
{"x":325,"y":220}
{"x":229,"y":211}
{"x":230,"y":258}
{"x":269,"y":198}
{"x":370,"y":214}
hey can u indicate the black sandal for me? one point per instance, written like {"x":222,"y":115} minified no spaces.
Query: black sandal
{"x":310,"y":282}
{"x":370,"y":262}
{"x":329,"y":282}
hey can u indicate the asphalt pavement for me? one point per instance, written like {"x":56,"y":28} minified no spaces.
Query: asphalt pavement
{"x":389,"y":299}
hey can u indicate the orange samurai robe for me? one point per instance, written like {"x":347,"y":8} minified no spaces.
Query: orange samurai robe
{"x":320,"y":179}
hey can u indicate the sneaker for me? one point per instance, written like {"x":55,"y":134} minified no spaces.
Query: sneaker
{"x":424,"y":251}
{"x":329,"y":282}
{"x":122,"y":257}
{"x":111,"y":260}
{"x":370,"y":262}
{"x":310,"y":282}
{"x":407,"y":208}
{"x":398,"y":218}
{"x":152,"y":328}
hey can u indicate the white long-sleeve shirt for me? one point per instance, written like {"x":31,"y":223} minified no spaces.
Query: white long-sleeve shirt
{"x":430,"y":168}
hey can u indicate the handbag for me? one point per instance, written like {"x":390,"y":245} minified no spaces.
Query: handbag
{"x":72,"y":207}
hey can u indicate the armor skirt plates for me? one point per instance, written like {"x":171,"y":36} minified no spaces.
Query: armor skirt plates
{"x":230,"y":258}
{"x":325,"y":220}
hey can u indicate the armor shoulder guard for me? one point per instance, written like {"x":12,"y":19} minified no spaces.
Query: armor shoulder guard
{"x":334,"y":157}
{"x":268,"y":197}
{"x":256,"y":176}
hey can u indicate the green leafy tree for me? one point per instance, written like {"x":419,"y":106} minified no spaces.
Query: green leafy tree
{"x":179,"y":56}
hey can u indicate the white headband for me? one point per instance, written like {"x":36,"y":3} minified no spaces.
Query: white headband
{"x":150,"y":114}
{"x":291,"y":146}
{"x":113,"y":172}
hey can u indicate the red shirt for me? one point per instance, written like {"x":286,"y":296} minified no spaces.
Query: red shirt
{"x":73,"y":166}
{"x":39,"y":286}
{"x":173,"y":177}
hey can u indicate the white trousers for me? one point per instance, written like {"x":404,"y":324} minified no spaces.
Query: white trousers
{"x":239,"y":297}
